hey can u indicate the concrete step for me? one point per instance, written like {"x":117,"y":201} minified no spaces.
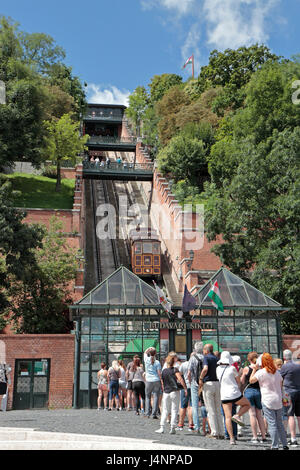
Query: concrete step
{"x":29,"y":439}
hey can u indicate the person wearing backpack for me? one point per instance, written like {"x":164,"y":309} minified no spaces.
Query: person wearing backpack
{"x":194,"y":370}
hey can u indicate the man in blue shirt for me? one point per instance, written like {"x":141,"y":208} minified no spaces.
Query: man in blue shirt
{"x":290,"y":372}
{"x":211,"y":392}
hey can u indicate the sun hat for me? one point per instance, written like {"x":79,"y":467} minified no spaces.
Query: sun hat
{"x":225,"y":358}
{"x":236,"y":358}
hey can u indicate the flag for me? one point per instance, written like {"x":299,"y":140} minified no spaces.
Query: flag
{"x":189,"y":61}
{"x":214,"y":295}
{"x":167,"y":306}
{"x":188,"y":302}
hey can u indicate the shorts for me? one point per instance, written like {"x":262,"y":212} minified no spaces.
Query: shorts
{"x":114,"y":389}
{"x":3,"y":387}
{"x":294,"y":408}
{"x":203,"y":412}
{"x":185,"y":400}
{"x":254,"y":396}
{"x":122,"y":384}
{"x":129,"y":385}
{"x":103,"y":387}
{"x":232,"y":401}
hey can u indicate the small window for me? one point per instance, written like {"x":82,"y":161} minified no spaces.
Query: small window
{"x":156,"y":248}
{"x":147,"y":247}
{"x":147,"y":260}
{"x":138,"y":247}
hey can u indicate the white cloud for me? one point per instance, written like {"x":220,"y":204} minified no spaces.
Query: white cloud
{"x":110,"y":94}
{"x":191,"y":46}
{"x":181,"y":7}
{"x":235,"y":23}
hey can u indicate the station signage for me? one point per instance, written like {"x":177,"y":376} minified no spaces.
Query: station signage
{"x":172,"y":325}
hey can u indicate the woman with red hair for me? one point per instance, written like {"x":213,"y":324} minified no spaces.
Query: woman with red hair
{"x":270,"y":382}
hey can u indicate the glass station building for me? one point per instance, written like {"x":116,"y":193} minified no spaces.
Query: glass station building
{"x":121,"y":317}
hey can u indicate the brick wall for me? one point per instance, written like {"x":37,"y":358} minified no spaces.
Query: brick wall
{"x":292,"y":342}
{"x":58,"y":348}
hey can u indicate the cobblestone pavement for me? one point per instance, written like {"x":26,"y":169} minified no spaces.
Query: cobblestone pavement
{"x":118,"y":423}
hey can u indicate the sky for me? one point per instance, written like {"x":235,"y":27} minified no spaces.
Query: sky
{"x":116,"y":45}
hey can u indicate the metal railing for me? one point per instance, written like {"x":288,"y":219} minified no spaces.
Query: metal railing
{"x":116,"y":167}
{"x":95,"y":139}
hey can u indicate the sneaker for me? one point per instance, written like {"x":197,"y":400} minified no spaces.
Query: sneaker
{"x":172,"y":431}
{"x":254,"y":441}
{"x":236,"y":419}
{"x":293,"y":443}
{"x":160,"y":431}
{"x":154,"y":417}
{"x":232,"y":443}
{"x":179,"y":428}
{"x":120,"y":409}
{"x":191,"y":429}
{"x":285,"y":448}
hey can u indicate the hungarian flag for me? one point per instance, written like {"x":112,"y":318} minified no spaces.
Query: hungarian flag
{"x":162,"y":299}
{"x":189,"y":61}
{"x":214,"y":295}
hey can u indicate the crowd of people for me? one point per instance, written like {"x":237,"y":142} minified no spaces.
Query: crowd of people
{"x":212,"y":392}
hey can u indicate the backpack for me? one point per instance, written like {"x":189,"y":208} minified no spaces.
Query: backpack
{"x":199,"y":368}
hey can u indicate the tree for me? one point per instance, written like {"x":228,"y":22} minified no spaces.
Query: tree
{"x":160,"y":84}
{"x":39,"y":50}
{"x":17,"y":244}
{"x":64,"y":142}
{"x":40,"y":302}
{"x":138,"y":102}
{"x":257,"y":213}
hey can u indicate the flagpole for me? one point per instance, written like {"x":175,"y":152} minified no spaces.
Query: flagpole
{"x":193,"y":68}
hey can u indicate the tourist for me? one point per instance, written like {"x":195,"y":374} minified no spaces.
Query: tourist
{"x":270,"y":382}
{"x":194,"y":370}
{"x":138,"y":384}
{"x":114,"y":373}
{"x":252,"y":393}
{"x":231,"y":394}
{"x":206,"y":429}
{"x":185,"y":400}
{"x":286,"y":402}
{"x":97,"y":161}
{"x":107,"y":162}
{"x":123,"y":384}
{"x":171,"y":396}
{"x":153,"y":381}
{"x":211,"y":391}
{"x":5,"y":383}
{"x":130,"y":394}
{"x":290,"y":372}
{"x":102,"y":386}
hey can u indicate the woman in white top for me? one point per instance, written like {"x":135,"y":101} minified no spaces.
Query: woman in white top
{"x":230,"y":385}
{"x":270,"y":382}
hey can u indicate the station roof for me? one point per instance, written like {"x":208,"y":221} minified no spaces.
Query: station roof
{"x":235,"y":294}
{"x":120,"y":290}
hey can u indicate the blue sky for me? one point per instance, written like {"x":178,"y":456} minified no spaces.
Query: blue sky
{"x":116,"y":45}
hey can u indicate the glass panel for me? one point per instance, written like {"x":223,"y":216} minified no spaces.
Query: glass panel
{"x":209,"y":340}
{"x":98,"y":343}
{"x":23,"y":385}
{"x":259,"y":326}
{"x":117,"y":345}
{"x":156,"y":248}
{"x":116,"y":326}
{"x":147,"y":247}
{"x":256,"y":297}
{"x":99,"y":296}
{"x":84,"y":381}
{"x":232,"y":279}
{"x":40,"y":385}
{"x":25,"y":368}
{"x":235,"y":344}
{"x":242,"y":326}
{"x":272,"y":326}
{"x":115,"y":287}
{"x":224,"y":292}
{"x":85,"y":343}
{"x":204,"y":293}
{"x":98,"y":325}
{"x":138,"y":247}
{"x":209,"y":326}
{"x":40,"y":367}
{"x":149,"y":295}
{"x":132,"y":289}
{"x":96,"y":360}
{"x":85,"y":326}
{"x":147,"y":260}
{"x":260,"y":344}
{"x":94,"y":381}
{"x":138,"y":260}
{"x":273,"y":345}
{"x":84,"y":361}
{"x":239,"y":295}
{"x":164,"y":347}
{"x":156,"y":260}
{"x":226,"y":326}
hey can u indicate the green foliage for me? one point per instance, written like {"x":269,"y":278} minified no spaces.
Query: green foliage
{"x":64,"y":142}
{"x":138,"y":102}
{"x":40,"y":303}
{"x":160,"y":84}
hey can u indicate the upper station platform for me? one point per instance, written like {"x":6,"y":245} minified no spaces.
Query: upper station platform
{"x":124,"y":171}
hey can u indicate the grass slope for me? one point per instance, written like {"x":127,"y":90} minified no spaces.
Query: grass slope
{"x":39,"y":192}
